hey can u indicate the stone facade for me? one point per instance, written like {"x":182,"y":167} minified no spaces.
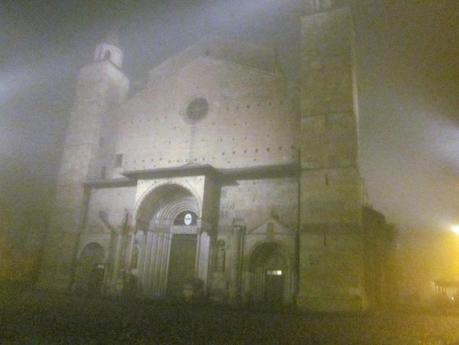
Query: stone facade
{"x":209,"y":183}
{"x":331,"y":263}
{"x":381,"y":266}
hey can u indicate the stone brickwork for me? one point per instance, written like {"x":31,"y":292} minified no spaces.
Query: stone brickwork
{"x":255,"y":201}
{"x":331,"y":267}
{"x":240,"y":97}
{"x":209,"y":173}
{"x":101,"y":86}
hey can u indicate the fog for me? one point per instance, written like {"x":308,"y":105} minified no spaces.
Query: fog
{"x":407,"y":68}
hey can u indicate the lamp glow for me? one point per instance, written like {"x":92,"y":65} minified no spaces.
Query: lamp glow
{"x":455,"y":229}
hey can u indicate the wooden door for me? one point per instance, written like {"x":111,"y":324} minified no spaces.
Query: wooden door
{"x":181,"y":263}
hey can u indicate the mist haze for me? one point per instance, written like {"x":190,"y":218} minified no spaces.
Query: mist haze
{"x":407,"y":70}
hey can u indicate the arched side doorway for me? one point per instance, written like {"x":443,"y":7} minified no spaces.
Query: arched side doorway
{"x":270,"y":275}
{"x":171,"y":252}
{"x":90,"y":269}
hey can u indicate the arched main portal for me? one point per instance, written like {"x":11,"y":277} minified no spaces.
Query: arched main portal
{"x":172,"y":241}
{"x":270,"y":275}
{"x":90,"y":269}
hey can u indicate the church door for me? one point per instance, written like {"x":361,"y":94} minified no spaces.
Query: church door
{"x":274,"y":287}
{"x":90,"y":270}
{"x":269,"y":275}
{"x":181,"y":263}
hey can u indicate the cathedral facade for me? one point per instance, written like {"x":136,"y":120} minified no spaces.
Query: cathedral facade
{"x":208,"y":182}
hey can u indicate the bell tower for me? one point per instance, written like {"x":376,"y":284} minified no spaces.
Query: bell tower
{"x":109,"y":50}
{"x":331,"y":252}
{"x":101,"y":86}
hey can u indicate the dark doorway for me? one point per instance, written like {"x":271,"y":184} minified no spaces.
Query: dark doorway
{"x":274,"y":287}
{"x":181,"y":263}
{"x":91,"y":270}
{"x":269,"y":276}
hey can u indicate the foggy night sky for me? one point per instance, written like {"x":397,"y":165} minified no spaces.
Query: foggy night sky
{"x":408,"y":79}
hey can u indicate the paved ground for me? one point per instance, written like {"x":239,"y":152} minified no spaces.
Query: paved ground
{"x":39,"y":319}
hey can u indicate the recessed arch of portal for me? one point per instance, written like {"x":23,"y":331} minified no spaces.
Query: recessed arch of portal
{"x":92,"y":250}
{"x":92,"y":246}
{"x":270,"y":277}
{"x":90,"y":270}
{"x":158,"y":206}
{"x":168,"y":258}
{"x":266,"y":249}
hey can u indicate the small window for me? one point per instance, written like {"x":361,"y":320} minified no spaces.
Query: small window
{"x":119,"y":160}
{"x":274,"y":272}
{"x":107,"y":55}
{"x":186,"y":218}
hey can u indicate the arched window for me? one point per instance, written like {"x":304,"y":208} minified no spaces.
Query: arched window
{"x":186,"y":218}
{"x":107,"y":55}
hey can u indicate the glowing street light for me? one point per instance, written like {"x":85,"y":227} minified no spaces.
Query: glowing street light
{"x":455,"y":229}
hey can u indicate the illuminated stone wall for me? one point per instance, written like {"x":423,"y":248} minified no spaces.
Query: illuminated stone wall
{"x":111,"y":203}
{"x":255,"y":201}
{"x":245,"y":104}
{"x":101,"y":87}
{"x":331,"y":270}
{"x":222,"y":104}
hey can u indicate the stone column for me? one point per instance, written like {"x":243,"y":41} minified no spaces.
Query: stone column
{"x":157,"y":267}
{"x":203,"y":258}
{"x":130,"y":250}
{"x":236,"y":262}
{"x":116,"y":261}
{"x":163,"y":262}
{"x":143,"y":260}
{"x":155,"y":270}
{"x":147,"y":261}
{"x":155,"y":248}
